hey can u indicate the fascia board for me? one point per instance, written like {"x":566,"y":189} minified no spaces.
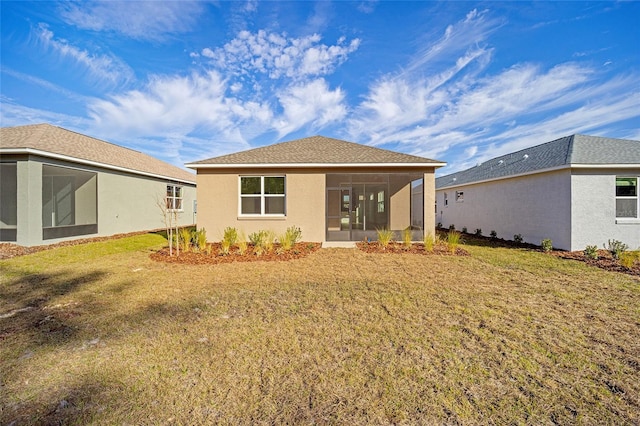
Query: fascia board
{"x":309,"y":165}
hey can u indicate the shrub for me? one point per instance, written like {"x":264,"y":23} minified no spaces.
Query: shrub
{"x":591,"y":252}
{"x":184,"y":238}
{"x":627,"y":259}
{"x":616,"y":248}
{"x":464,"y":229}
{"x":547,"y":245}
{"x":269,"y":240}
{"x":385,"y":236}
{"x":518,"y":238}
{"x":452,"y":227}
{"x":439,"y":225}
{"x":429,"y":241}
{"x":230,"y":235}
{"x":242,"y":244}
{"x":199,"y":238}
{"x":225,"y":245}
{"x":291,"y":236}
{"x":478,"y":232}
{"x":493,"y":234}
{"x":453,"y":239}
{"x":407,"y":236}
{"x":258,"y":239}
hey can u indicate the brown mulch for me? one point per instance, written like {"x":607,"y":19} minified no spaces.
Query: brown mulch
{"x":605,"y":261}
{"x":9,"y":250}
{"x":415,"y":248}
{"x":299,"y":250}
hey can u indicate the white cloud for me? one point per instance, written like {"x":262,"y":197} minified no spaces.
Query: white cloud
{"x":146,"y":20}
{"x":312,"y":104}
{"x":177,"y":106}
{"x":277,"y":55}
{"x":105,"y":68}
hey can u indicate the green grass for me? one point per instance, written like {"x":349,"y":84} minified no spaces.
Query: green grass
{"x":99,"y":333}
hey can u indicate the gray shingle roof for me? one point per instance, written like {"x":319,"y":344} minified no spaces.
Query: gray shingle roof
{"x":316,"y":150}
{"x":566,"y":151}
{"x":56,"y":140}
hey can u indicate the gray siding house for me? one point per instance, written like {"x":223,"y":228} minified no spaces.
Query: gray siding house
{"x":58,"y":185}
{"x":577,"y":190}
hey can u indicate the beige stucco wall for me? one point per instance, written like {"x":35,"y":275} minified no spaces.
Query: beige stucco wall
{"x":535,"y":206}
{"x":429,"y":201}
{"x":305,"y":201}
{"x":218,"y":204}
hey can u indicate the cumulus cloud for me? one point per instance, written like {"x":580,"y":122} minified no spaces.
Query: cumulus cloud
{"x":145,"y":20}
{"x":176,"y":105}
{"x":104,"y":68}
{"x":277,"y":55}
{"x":312,"y":104}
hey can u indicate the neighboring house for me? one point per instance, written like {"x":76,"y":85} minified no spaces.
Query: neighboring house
{"x":331,"y":189}
{"x":577,"y":191}
{"x":58,"y":185}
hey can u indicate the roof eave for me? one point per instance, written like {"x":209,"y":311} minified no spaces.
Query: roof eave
{"x":309,"y":165}
{"x":31,"y":151}
{"x":550,"y":169}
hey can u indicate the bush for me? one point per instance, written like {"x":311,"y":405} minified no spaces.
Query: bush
{"x":616,"y":248}
{"x":230,"y":235}
{"x":407,"y":236}
{"x":493,"y":234}
{"x":478,"y":232}
{"x":429,"y":241}
{"x":452,"y":227}
{"x":385,"y":236}
{"x":547,"y":245}
{"x":518,"y":238}
{"x":242,"y":244}
{"x":627,"y":259}
{"x":291,"y":236}
{"x":464,"y":229}
{"x":591,"y":252}
{"x":184,"y":239}
{"x":453,"y":239}
{"x":199,"y":238}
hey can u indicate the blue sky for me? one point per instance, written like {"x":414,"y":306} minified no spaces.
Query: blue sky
{"x":459,"y":82}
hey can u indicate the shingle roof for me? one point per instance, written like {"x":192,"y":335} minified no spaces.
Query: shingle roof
{"x":316,"y":150}
{"x":567,"y":151}
{"x":85,"y":149}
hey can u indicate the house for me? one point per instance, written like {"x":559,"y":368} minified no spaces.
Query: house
{"x":333,"y":190}
{"x":577,"y":191}
{"x":58,"y":185}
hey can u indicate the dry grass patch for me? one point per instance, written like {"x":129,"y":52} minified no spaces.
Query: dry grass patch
{"x":106,"y":335}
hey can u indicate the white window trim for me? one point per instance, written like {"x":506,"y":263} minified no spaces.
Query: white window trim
{"x":174,"y":198}
{"x":262,"y":196}
{"x":636,"y":197}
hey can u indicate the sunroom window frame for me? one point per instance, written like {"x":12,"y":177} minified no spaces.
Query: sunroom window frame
{"x":263,"y":196}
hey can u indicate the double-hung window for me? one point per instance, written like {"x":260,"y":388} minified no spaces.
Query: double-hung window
{"x":627,"y":197}
{"x":262,"y":195}
{"x":174,"y":197}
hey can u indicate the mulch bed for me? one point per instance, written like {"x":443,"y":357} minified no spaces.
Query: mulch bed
{"x":298,"y":251}
{"x":605,"y":261}
{"x":415,"y":248}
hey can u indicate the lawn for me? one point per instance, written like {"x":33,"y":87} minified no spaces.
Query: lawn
{"x":100,"y":333}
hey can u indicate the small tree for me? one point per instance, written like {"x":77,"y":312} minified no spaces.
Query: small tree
{"x":170,"y":219}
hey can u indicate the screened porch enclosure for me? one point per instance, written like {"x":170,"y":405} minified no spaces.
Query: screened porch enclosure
{"x":69,"y":202}
{"x":357,"y":205}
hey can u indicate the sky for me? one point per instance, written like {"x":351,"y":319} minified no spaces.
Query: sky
{"x":455,"y":81}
